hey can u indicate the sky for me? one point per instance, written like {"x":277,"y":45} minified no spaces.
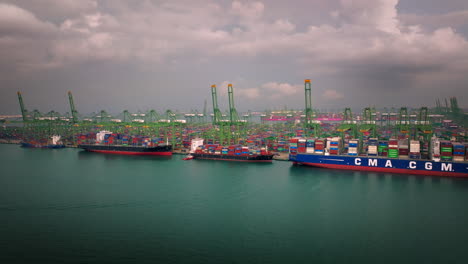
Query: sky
{"x":154,"y":54}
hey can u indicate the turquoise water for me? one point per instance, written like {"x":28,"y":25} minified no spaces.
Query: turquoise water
{"x":69,"y":206}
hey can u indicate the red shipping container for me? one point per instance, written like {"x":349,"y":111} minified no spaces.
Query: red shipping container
{"x":301,"y":149}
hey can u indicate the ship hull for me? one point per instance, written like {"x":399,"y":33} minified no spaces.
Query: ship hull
{"x":50,"y":146}
{"x":241,"y":158}
{"x":381,"y":164}
{"x":129,"y":150}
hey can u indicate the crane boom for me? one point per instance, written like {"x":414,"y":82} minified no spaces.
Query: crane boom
{"x":24,"y":112}
{"x":72,"y":108}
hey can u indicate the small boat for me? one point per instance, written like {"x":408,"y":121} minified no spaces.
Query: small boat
{"x":188,"y":157}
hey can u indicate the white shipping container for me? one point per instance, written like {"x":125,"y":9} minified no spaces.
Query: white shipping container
{"x":372,"y":149}
{"x":415,"y":149}
{"x":310,"y":150}
{"x":458,"y":158}
{"x":352,"y":150}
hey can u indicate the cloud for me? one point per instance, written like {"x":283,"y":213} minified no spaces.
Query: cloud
{"x":451,"y":19}
{"x":55,"y":10}
{"x":15,"y":21}
{"x":362,"y":44}
{"x":249,"y":93}
{"x":368,"y":32}
{"x":268,"y":91}
{"x":331,"y":94}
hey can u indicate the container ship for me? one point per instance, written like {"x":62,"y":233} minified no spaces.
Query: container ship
{"x":199,"y":150}
{"x":104,"y":143}
{"x":439,"y":158}
{"x":53,"y":143}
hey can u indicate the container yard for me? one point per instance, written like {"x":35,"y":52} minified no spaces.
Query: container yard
{"x":437,"y":133}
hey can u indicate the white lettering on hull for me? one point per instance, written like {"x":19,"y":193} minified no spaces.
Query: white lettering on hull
{"x":428,"y":166}
{"x":373,"y":162}
{"x":412,"y":164}
{"x":357,"y":161}
{"x":388,"y":164}
{"x":446,"y":167}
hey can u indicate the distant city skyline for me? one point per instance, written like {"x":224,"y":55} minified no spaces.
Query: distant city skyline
{"x":142,"y":55}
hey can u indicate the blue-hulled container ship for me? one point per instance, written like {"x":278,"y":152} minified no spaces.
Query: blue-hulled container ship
{"x":443,"y":158}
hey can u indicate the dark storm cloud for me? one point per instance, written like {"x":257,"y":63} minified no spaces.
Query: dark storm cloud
{"x":166,"y":54}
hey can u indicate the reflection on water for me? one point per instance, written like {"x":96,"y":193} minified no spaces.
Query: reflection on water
{"x":68,"y":205}
{"x":82,"y":154}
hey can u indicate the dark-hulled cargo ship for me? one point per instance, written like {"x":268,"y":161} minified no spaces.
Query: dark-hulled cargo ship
{"x":53,"y":143}
{"x":227,"y":157}
{"x":446,"y":158}
{"x":230,"y":153}
{"x":162,"y":150}
{"x":103,"y":145}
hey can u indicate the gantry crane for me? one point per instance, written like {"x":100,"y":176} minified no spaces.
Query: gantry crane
{"x":403,"y":123}
{"x":310,"y":123}
{"x":348,"y":124}
{"x":368,"y":122}
{"x":217,"y":116}
{"x":237,"y":126}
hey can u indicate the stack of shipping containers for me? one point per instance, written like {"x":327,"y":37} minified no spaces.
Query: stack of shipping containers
{"x":458,"y":152}
{"x":353,"y":147}
{"x":403,"y":148}
{"x":372,"y":147}
{"x":319,"y":146}
{"x":293,"y":146}
{"x":393,"y":148}
{"x":383,"y":148}
{"x":415,"y":149}
{"x":301,"y":145}
{"x":335,"y":146}
{"x":310,"y":145}
{"x":446,"y":151}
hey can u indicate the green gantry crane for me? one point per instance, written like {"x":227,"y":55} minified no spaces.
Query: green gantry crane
{"x":368,"y":122}
{"x":403,"y":122}
{"x":217,"y":116}
{"x":348,"y":124}
{"x":310,"y":123}
{"x":235,"y":122}
{"x":423,"y":124}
